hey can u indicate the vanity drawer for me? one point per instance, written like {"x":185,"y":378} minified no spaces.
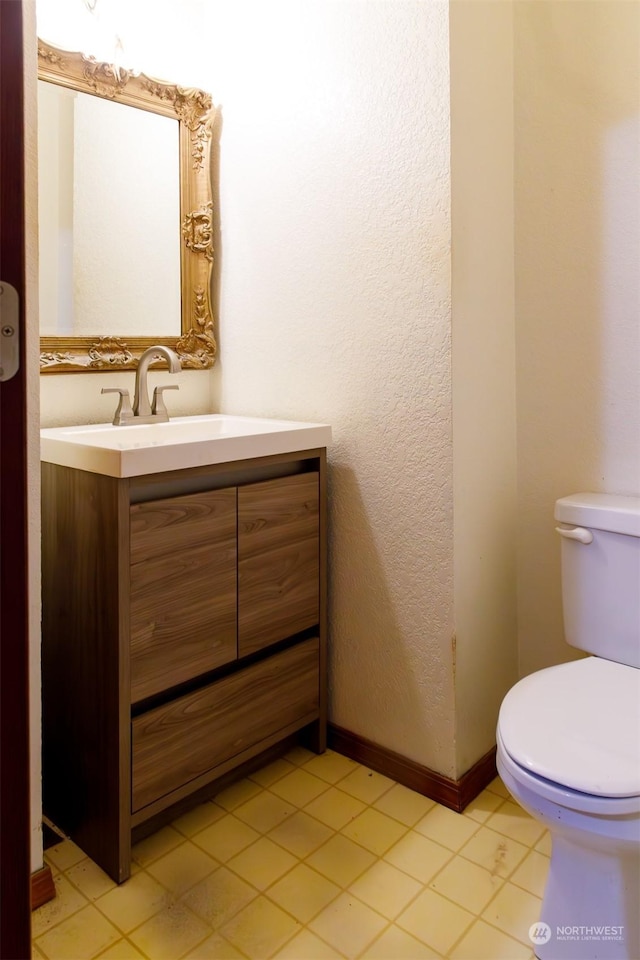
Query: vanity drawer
{"x":278,"y":560}
{"x":180,"y":741}
{"x":183,"y":578}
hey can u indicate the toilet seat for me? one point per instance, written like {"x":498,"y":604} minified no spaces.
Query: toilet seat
{"x":561,"y":795}
{"x":577,"y":725}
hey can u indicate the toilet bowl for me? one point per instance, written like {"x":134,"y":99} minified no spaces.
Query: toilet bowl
{"x":568,"y":741}
{"x":575,"y":767}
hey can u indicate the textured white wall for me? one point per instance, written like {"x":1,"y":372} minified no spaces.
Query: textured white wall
{"x":483,"y":340}
{"x":577,"y":195}
{"x":336,"y":307}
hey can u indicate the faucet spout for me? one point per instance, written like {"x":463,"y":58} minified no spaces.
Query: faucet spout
{"x":141,"y":405}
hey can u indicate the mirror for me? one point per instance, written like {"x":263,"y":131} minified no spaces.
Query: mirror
{"x":125,"y":216}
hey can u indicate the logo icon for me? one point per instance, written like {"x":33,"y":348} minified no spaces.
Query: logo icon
{"x":539,"y":933}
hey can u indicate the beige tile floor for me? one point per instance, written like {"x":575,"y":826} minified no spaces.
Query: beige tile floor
{"x":311,"y":857}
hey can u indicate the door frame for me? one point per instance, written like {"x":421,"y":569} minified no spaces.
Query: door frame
{"x":15,"y":917}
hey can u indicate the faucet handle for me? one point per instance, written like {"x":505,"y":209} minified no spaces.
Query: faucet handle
{"x":123,"y":413}
{"x":158,"y":408}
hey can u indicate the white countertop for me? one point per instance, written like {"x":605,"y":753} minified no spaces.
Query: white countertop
{"x":182,"y":442}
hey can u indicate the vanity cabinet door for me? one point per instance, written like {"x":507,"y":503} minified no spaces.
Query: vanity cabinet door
{"x":278,"y":560}
{"x":183,"y":589}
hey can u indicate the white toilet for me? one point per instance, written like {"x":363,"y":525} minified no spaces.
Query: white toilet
{"x":569,"y":740}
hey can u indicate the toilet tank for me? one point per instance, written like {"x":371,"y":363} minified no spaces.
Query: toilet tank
{"x":601,"y":578}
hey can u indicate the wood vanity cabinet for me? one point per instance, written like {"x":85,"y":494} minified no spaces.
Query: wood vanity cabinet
{"x":184,"y":633}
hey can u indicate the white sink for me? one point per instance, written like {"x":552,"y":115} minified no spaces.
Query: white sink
{"x":132,"y":451}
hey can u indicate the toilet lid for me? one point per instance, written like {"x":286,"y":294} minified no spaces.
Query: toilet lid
{"x":577,"y":724}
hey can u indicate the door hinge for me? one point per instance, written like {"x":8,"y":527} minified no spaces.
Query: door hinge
{"x":9,"y":331}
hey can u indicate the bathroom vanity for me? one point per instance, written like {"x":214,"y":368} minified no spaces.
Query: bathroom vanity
{"x":184,"y":632}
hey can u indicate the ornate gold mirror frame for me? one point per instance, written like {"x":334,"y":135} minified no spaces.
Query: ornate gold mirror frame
{"x":192,"y":108}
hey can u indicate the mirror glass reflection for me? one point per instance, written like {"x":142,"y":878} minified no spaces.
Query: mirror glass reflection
{"x":109,"y":217}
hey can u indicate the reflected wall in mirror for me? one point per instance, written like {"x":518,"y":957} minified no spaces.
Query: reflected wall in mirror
{"x":125,"y":216}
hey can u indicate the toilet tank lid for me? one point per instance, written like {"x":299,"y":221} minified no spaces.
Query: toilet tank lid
{"x":601,"y":511}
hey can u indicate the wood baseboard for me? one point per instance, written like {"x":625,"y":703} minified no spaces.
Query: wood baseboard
{"x":43,"y":888}
{"x":455,"y":794}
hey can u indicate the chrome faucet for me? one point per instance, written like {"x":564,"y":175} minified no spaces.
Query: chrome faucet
{"x":143,"y":411}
